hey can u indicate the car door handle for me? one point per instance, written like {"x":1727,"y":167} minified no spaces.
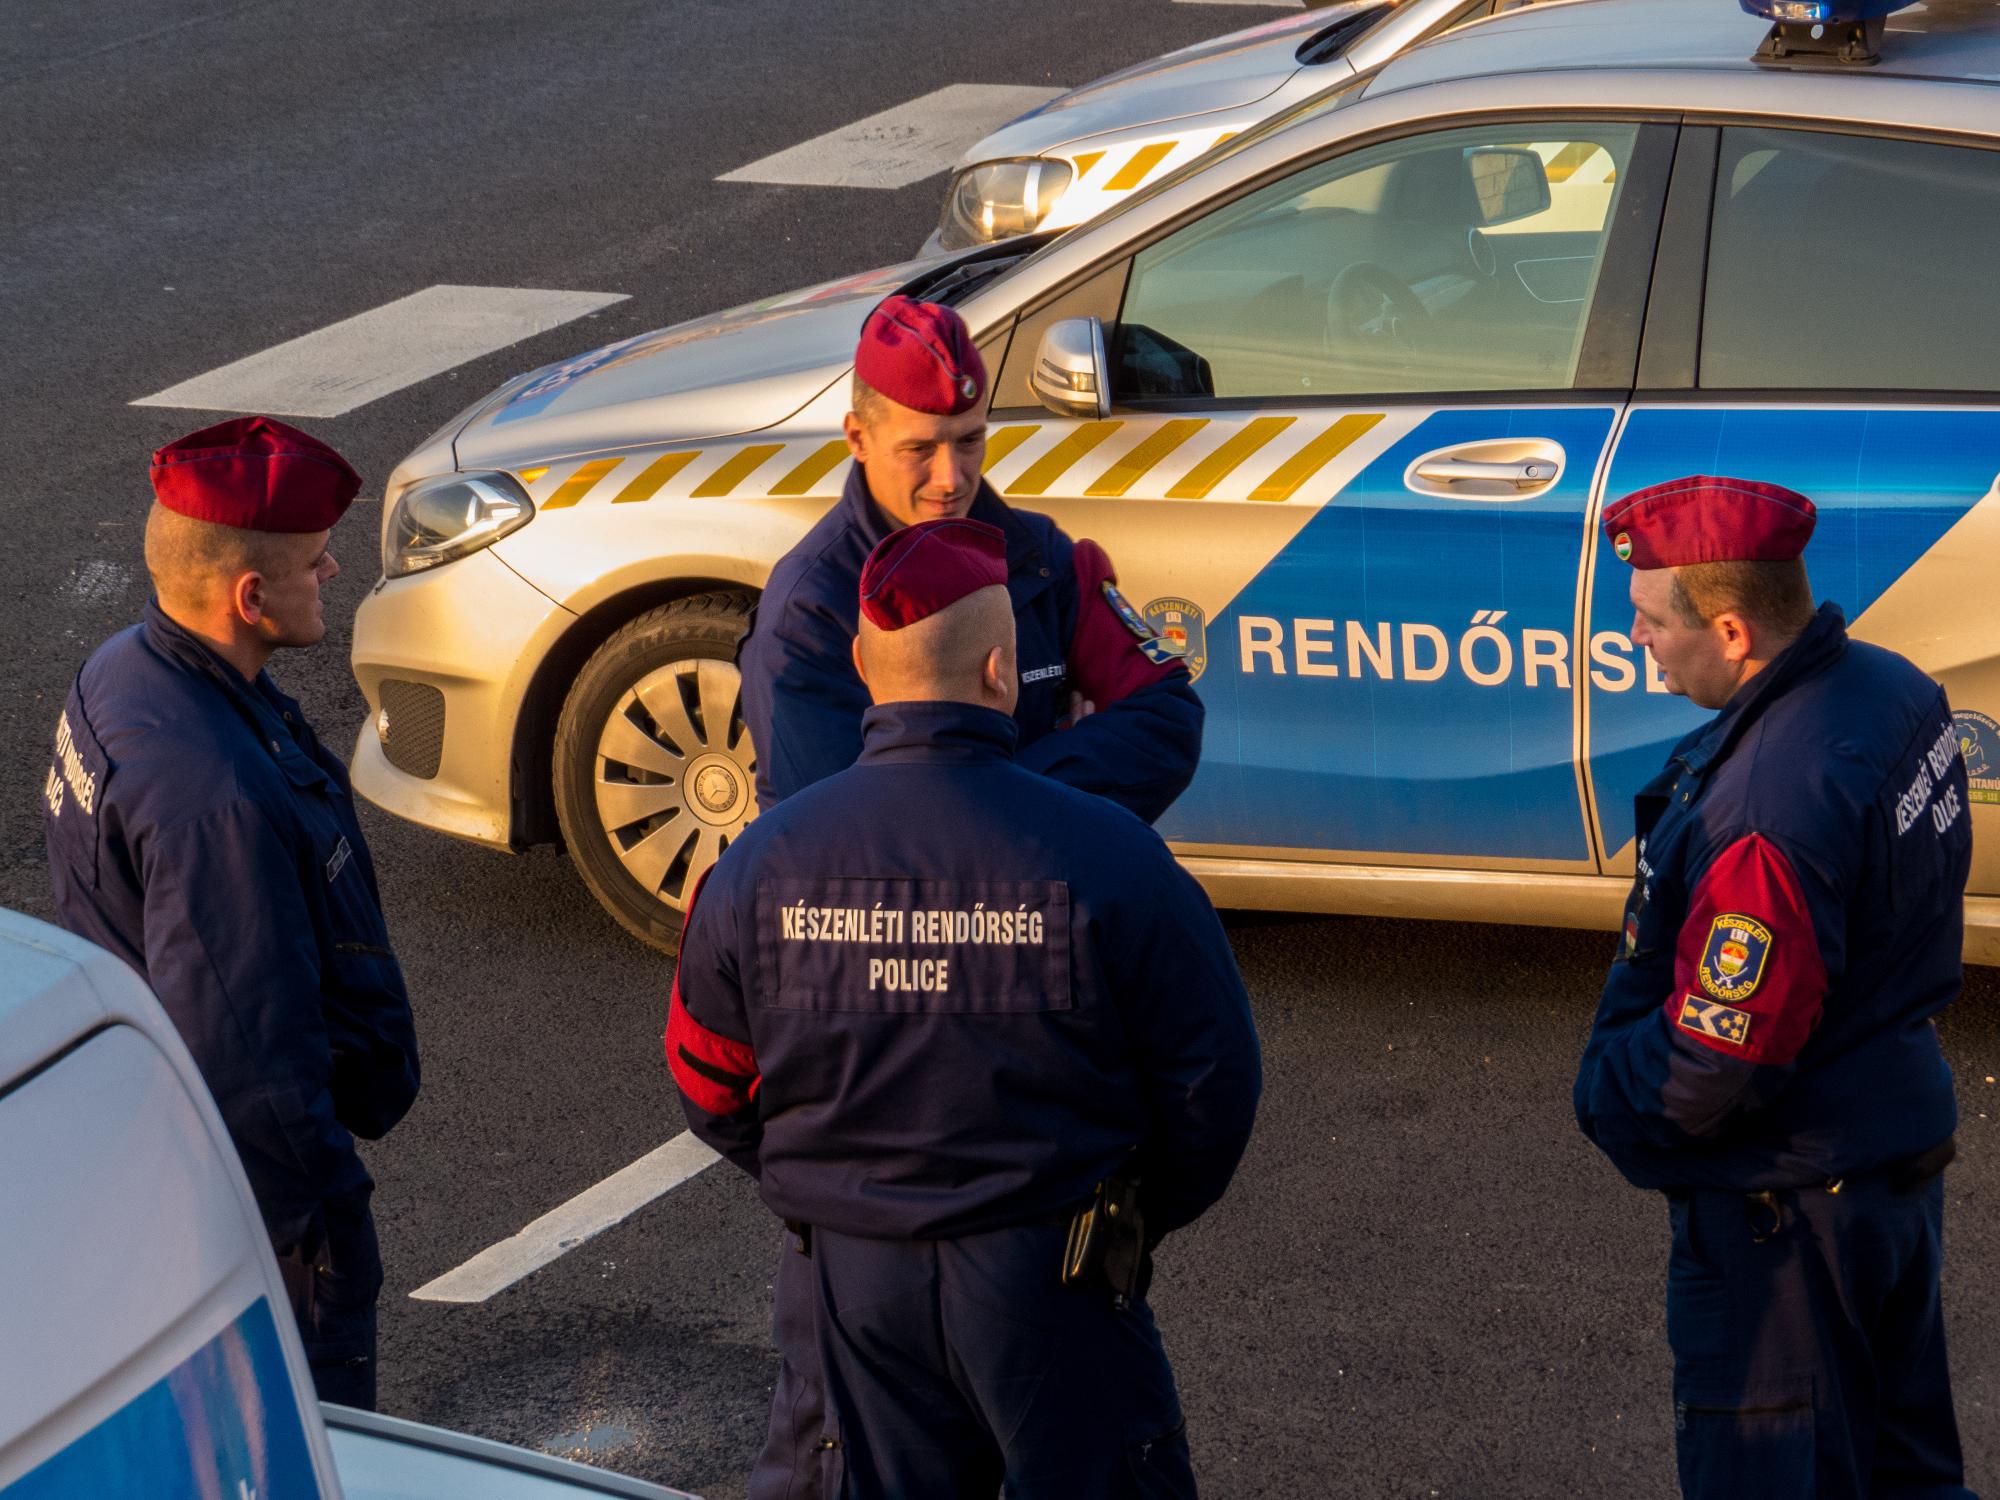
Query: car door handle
{"x":1460,"y":470}
{"x":1490,"y":469}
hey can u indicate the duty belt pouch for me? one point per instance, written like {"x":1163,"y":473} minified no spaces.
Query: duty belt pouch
{"x":1107,"y":1239}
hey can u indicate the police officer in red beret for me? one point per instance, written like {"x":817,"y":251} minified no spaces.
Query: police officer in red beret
{"x":197,"y":828}
{"x":1763,"y":1052}
{"x":1090,"y":667}
{"x":1098,"y":705}
{"x":931,"y":1003}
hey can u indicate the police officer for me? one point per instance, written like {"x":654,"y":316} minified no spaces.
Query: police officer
{"x":1130,"y":722}
{"x":1764,"y":1051}
{"x":930,"y":1003}
{"x":198,"y":829}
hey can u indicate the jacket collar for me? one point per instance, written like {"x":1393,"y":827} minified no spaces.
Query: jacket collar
{"x":1819,"y":645}
{"x":275,"y":719}
{"x":1024,"y":550}
{"x":894,"y":733}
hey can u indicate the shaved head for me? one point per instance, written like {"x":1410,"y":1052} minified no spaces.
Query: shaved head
{"x":964,"y":653}
{"x":194,"y":563}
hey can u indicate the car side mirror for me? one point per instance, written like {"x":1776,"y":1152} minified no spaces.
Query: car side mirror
{"x":1509,"y":183}
{"x":1071,"y":376}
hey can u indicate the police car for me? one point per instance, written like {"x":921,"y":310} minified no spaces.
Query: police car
{"x":1059,"y":165}
{"x":149,"y":1348}
{"x":1343,"y":399}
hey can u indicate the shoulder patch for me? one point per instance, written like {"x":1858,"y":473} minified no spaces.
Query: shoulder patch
{"x":1733,"y":962}
{"x":1710,"y":1018}
{"x":1122,"y":607}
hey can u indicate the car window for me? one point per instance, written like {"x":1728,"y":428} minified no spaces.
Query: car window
{"x":1464,"y":260}
{"x":1849,"y":262}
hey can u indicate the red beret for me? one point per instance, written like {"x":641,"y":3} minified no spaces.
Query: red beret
{"x":927,"y":567}
{"x":1702,"y":519}
{"x":920,"y":355}
{"x":257,"y":474}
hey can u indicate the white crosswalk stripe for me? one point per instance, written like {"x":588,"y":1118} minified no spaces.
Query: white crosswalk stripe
{"x":347,"y":364}
{"x":898,"y":146}
{"x":570,"y":1224}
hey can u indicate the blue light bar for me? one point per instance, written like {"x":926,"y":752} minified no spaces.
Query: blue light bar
{"x":1822,"y":12}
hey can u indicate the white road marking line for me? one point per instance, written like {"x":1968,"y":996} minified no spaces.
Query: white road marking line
{"x":570,"y":1224}
{"x":898,"y":146}
{"x":97,"y":582}
{"x":350,"y":363}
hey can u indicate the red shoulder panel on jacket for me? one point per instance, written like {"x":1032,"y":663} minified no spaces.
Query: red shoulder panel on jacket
{"x":1749,"y":979}
{"x":1108,"y":659}
{"x":717,"y":1072}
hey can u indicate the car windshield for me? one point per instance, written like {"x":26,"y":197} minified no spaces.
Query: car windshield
{"x":965,"y":277}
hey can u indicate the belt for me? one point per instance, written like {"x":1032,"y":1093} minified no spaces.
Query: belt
{"x":1912,"y":1172}
{"x":1904,"y":1176}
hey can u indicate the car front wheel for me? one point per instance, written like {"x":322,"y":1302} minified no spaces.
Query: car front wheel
{"x":654,"y":771}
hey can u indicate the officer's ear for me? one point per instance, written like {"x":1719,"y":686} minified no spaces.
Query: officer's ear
{"x":857,"y":437}
{"x":1734,"y":637}
{"x":994,"y":674}
{"x":860,"y":667}
{"x":246,"y":597}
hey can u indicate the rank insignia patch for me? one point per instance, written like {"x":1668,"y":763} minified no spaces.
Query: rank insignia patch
{"x":1178,"y":623}
{"x":1709,"y":1018}
{"x":1733,"y":962}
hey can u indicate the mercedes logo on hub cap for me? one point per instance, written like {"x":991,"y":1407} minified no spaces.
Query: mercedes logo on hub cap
{"x":716,"y":789}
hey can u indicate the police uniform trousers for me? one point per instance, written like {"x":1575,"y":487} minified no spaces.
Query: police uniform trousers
{"x":953,"y":1367}
{"x":793,"y":1462}
{"x":333,"y":1279}
{"x":1808,"y":1338}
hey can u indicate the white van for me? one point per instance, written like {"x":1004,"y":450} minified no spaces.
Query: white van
{"x":146,"y":1347}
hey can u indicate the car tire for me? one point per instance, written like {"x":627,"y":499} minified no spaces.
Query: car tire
{"x":654,"y":771}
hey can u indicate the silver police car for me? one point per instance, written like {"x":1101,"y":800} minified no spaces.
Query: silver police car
{"x":1344,"y":397}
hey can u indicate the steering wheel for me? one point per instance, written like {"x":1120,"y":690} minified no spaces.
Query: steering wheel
{"x":1372,"y":317}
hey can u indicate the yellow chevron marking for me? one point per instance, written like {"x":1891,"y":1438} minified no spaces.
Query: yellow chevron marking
{"x":655,"y":474}
{"x":1309,"y":460}
{"x":1053,"y":464}
{"x":529,"y":476}
{"x":1566,"y":161}
{"x":735,"y":470}
{"x":1005,"y":441}
{"x":1083,"y":161}
{"x":1220,"y":464}
{"x":1142,"y":162}
{"x":813,"y":470}
{"x":1227,"y":135}
{"x":1122,"y":475}
{"x":580,"y":483}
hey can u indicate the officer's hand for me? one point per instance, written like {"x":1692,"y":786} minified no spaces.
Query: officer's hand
{"x":1080,"y":708}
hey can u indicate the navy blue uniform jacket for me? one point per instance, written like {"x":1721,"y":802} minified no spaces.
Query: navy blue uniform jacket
{"x":937,"y":994}
{"x":803,"y":701}
{"x":197,"y":829}
{"x":1796,"y":920}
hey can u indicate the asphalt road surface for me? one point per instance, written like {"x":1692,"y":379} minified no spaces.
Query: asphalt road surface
{"x":1423,"y":1283}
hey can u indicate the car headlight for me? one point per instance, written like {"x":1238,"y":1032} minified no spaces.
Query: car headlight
{"x":999,"y":199}
{"x":436,"y":521}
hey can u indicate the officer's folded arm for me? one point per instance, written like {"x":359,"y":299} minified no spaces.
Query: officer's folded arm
{"x":1728,"y":1033}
